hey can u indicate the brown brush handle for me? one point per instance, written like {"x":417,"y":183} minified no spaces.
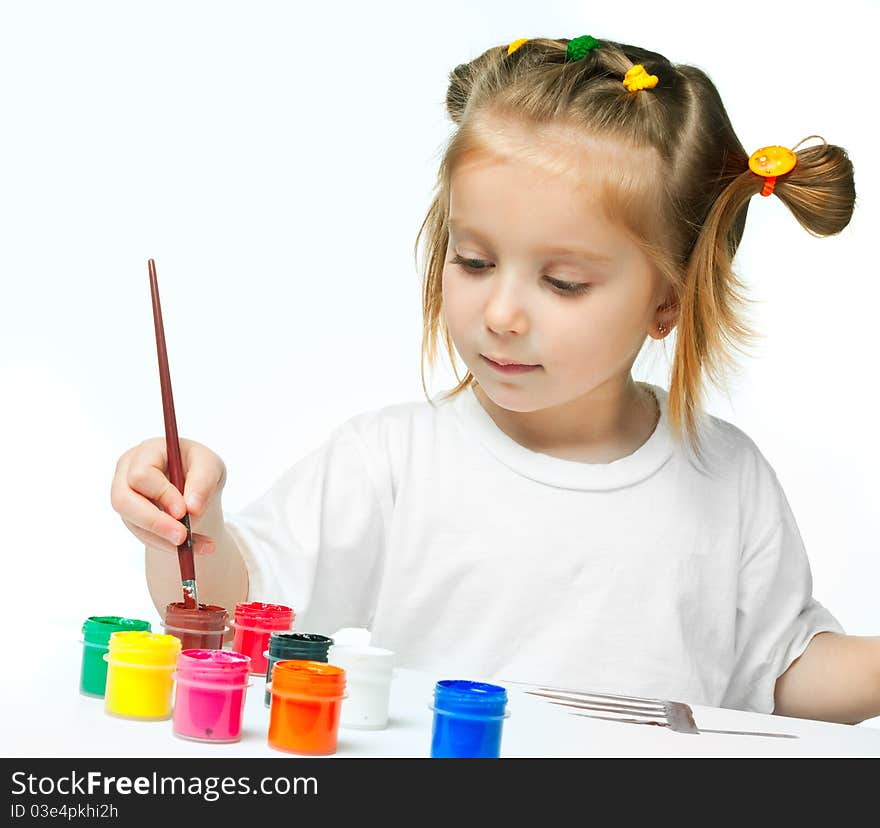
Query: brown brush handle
{"x":175,"y":464}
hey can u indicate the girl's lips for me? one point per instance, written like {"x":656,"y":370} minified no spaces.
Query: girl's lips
{"x":510,"y":369}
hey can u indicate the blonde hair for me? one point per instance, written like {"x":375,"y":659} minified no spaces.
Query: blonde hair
{"x":688,"y":216}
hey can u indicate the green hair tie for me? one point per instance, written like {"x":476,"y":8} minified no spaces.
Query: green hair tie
{"x":578,"y":47}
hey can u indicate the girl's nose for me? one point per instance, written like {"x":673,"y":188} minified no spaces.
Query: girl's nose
{"x":505,"y":310}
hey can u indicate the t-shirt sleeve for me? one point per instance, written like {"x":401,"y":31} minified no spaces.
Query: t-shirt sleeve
{"x":315,"y":540}
{"x":776,"y":614}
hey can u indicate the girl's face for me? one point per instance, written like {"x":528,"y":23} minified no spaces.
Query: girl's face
{"x":535,"y":274}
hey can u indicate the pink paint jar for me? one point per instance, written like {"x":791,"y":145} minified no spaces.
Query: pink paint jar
{"x":210,"y":694}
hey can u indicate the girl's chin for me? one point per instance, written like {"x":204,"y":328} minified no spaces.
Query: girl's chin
{"x":509,"y":397}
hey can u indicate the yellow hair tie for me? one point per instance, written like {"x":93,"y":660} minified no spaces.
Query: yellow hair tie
{"x":770,"y":162}
{"x":637,"y":78}
{"x":515,"y":45}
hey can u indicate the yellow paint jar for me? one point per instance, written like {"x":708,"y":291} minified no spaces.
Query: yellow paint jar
{"x":139,"y":668}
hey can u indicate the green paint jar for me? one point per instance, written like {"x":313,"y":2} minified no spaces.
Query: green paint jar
{"x":294,"y":646}
{"x":96,"y":641}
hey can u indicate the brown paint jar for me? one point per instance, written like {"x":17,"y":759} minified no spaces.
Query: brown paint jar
{"x":197,"y":629}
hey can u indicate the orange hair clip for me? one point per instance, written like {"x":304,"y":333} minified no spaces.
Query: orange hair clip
{"x":771,"y":162}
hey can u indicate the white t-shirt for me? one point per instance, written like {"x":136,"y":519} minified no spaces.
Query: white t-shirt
{"x":473,"y":557}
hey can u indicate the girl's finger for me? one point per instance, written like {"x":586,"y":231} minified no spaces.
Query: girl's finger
{"x":200,"y":486}
{"x":149,"y":539}
{"x":141,"y":512}
{"x":150,"y":481}
{"x":202,"y":544}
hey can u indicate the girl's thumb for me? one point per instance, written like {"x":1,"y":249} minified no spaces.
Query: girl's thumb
{"x":195,"y":498}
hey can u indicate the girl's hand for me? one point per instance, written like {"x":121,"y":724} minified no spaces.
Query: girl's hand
{"x":141,"y":486}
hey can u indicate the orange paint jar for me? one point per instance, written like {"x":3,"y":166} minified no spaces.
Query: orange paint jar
{"x":306,"y":703}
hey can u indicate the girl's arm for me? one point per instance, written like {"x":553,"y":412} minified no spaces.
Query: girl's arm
{"x":836,"y":679}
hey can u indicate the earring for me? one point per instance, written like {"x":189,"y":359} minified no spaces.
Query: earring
{"x":662,"y":328}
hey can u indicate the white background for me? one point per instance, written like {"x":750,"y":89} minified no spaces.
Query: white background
{"x":276,"y":160}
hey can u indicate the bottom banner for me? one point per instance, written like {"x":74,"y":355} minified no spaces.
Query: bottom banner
{"x":133,"y":791}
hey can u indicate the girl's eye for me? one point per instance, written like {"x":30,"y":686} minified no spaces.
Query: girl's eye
{"x":469,"y":264}
{"x":569,"y":287}
{"x":474,"y":265}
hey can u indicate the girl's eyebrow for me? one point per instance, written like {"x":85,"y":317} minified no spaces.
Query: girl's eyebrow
{"x":553,"y":250}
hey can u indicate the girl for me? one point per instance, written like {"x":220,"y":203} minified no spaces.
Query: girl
{"x":550,"y":519}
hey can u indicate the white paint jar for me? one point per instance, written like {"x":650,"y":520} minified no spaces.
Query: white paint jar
{"x":368,"y":672}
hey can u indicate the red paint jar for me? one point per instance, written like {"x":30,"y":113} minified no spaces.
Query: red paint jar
{"x":197,"y":629}
{"x":254,"y":623}
{"x":306,"y":703}
{"x":210,"y":694}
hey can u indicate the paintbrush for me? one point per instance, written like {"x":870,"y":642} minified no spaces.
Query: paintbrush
{"x":172,"y":445}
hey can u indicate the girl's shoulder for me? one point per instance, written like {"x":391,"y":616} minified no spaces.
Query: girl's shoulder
{"x":731,"y":450}
{"x":394,"y":418}
{"x":393,"y":430}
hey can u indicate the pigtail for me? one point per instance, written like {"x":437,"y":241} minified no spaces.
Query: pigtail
{"x":712,"y":318}
{"x":820,"y":190}
{"x":713,"y":323}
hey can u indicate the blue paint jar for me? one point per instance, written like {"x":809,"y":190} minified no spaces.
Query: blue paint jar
{"x":468,"y":716}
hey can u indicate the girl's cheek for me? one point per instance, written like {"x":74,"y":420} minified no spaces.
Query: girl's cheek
{"x":450,"y":304}
{"x":452,"y":293}
{"x":573,"y":339}
{"x":445,"y":291}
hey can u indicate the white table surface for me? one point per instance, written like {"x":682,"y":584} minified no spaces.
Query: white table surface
{"x":46,"y":716}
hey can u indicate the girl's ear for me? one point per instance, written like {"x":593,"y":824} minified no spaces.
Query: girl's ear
{"x":664,"y":320}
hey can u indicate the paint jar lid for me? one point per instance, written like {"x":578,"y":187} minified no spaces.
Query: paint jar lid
{"x":308,"y":679}
{"x":213,"y":666}
{"x":259,"y":616}
{"x":302,"y":646}
{"x":470,"y":698}
{"x":97,"y":629}
{"x":207,"y":618}
{"x":362,"y":658}
{"x":145,"y":648}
